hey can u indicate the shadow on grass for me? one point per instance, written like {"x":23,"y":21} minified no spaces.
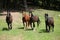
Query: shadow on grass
{"x":21,"y":28}
{"x":5,"y":29}
{"x":43,"y":31}
{"x":26,"y":29}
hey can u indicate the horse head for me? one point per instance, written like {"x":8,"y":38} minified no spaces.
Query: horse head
{"x":23,"y":13}
{"x":46,"y":16}
{"x":8,"y":14}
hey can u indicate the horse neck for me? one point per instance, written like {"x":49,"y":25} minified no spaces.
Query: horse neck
{"x":8,"y":14}
{"x":46,"y":18}
{"x":31,"y":15}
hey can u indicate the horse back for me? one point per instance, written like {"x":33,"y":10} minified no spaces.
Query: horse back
{"x":50,"y":20}
{"x":35,"y":18}
{"x":26,"y":17}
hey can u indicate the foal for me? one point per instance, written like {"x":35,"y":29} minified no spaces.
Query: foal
{"x":26,"y":20}
{"x":9,"y":20}
{"x":49,"y":21}
{"x":34,"y":19}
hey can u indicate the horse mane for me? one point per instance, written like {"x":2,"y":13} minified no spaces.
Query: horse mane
{"x":8,"y":14}
{"x":31,"y":14}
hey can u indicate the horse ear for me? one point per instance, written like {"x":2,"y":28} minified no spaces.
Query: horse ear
{"x":46,"y":14}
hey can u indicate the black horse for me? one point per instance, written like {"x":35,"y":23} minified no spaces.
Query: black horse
{"x":34,"y":19}
{"x":49,"y":21}
{"x":9,"y":20}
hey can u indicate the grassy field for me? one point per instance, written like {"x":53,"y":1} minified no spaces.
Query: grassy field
{"x":18,"y":33}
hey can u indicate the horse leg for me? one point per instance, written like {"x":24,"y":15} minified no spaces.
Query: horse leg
{"x":25,"y":26}
{"x":38,"y":22}
{"x":52,"y":27}
{"x":23,"y":23}
{"x":49,"y":28}
{"x":28,"y":23}
{"x":46,"y":28}
{"x":33,"y":25}
{"x":10,"y":25}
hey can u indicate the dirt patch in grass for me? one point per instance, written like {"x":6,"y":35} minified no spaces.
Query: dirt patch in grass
{"x":16,"y":21}
{"x":17,"y":18}
{"x":9,"y":37}
{"x":57,"y":38}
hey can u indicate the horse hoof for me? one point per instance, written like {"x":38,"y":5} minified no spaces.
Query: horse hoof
{"x":34,"y":30}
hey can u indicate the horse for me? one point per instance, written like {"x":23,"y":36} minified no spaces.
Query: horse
{"x":26,"y":20}
{"x":9,"y":20}
{"x":49,"y":22}
{"x":34,"y":19}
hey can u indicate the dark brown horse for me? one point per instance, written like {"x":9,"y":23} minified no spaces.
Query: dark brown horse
{"x":49,"y":21}
{"x":34,"y":19}
{"x":25,"y":19}
{"x":9,"y":20}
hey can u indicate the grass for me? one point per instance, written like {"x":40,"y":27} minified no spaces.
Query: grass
{"x":39,"y":34}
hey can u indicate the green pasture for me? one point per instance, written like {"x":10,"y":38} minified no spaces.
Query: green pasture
{"x":38,"y":34}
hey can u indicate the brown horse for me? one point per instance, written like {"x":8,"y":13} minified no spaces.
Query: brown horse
{"x":25,"y":19}
{"x":49,"y":21}
{"x":34,"y":19}
{"x":9,"y":20}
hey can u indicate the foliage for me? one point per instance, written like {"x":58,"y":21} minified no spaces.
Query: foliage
{"x":17,"y":4}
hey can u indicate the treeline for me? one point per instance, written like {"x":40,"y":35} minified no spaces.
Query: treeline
{"x":11,"y":4}
{"x":48,"y":4}
{"x":18,"y":4}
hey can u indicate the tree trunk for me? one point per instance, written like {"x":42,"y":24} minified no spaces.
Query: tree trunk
{"x":25,"y":5}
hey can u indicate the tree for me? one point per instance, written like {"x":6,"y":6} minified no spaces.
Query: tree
{"x":25,"y":4}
